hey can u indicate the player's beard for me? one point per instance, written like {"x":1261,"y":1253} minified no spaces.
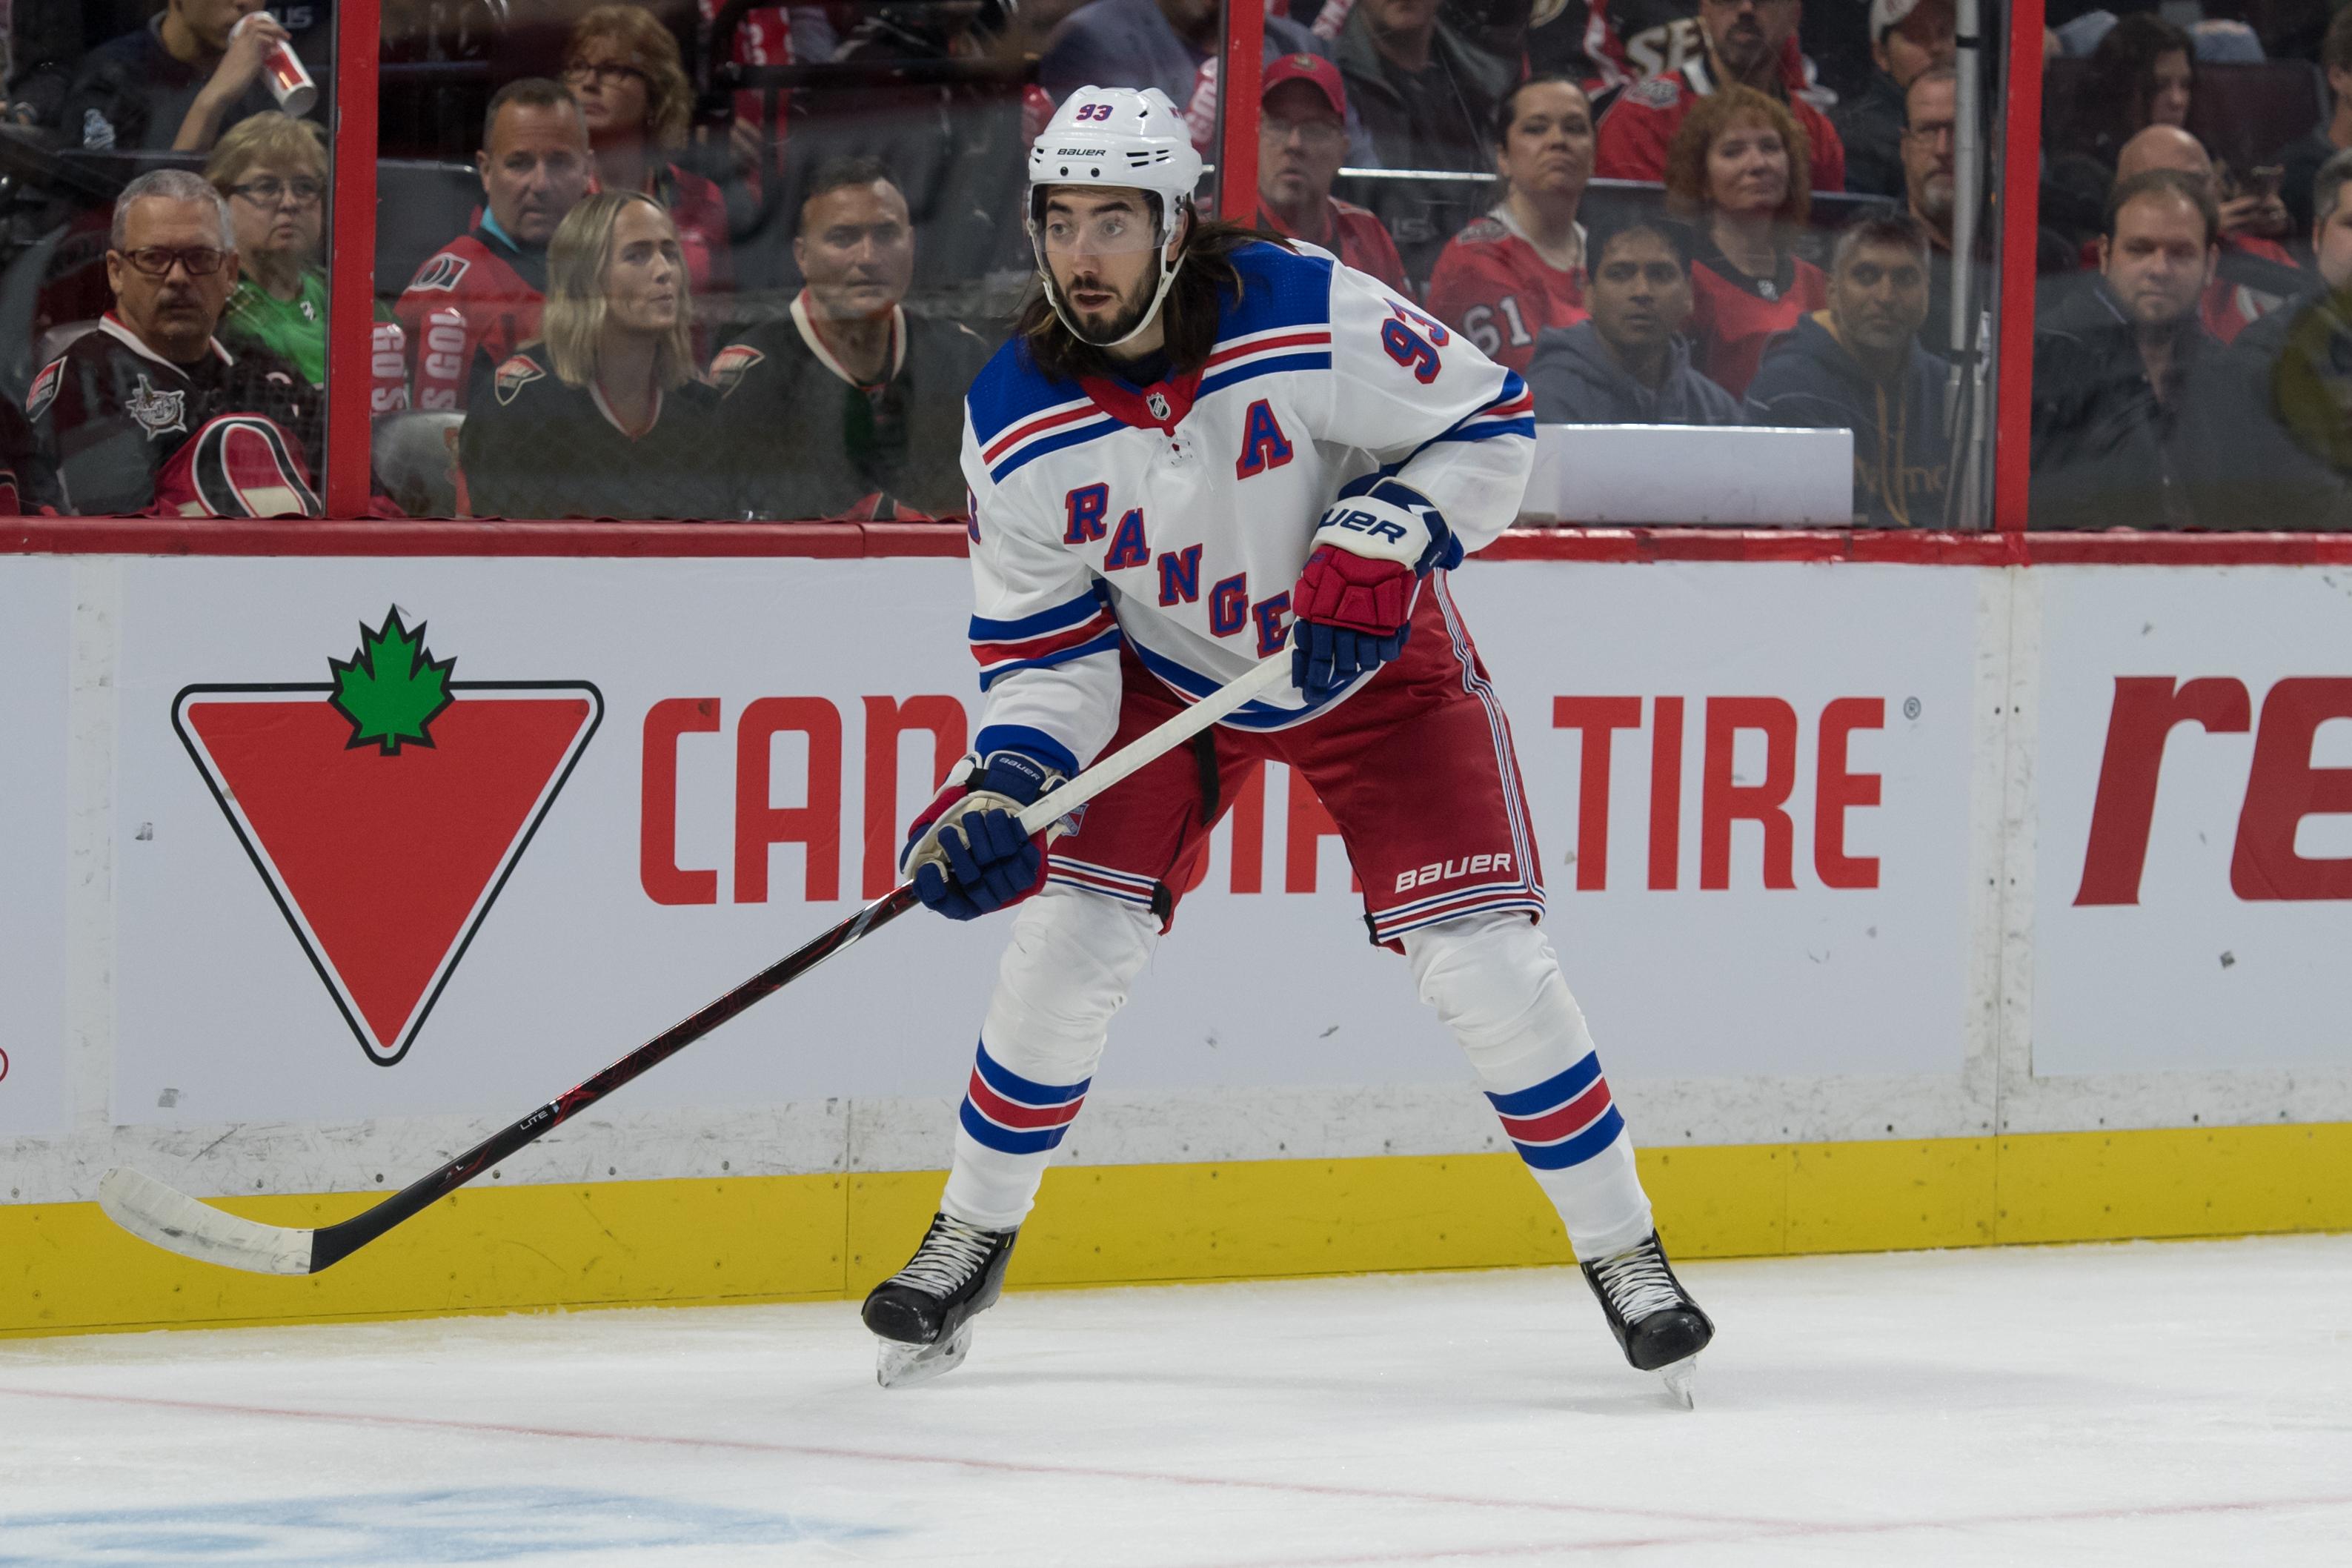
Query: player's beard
{"x":1133,"y":306}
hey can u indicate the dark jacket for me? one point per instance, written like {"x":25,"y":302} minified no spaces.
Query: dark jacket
{"x":2293,"y":367}
{"x":131,"y":95}
{"x":2108,"y":453}
{"x":1576,"y":382}
{"x":1901,"y":457}
{"x":1871,"y":125}
{"x":533,"y":448}
{"x":814,"y":446}
{"x":1440,"y":118}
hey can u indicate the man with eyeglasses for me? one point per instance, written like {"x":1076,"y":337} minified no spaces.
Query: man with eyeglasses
{"x":1931,"y":185}
{"x":149,"y":413}
{"x":477,"y":299}
{"x":1908,"y":40}
{"x":1302,"y":136}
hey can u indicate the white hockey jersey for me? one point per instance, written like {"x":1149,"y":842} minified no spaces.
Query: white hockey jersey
{"x":1175,"y":518}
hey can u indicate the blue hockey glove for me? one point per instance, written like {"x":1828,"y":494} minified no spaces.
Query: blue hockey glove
{"x":1353,"y":601}
{"x":966,"y":852}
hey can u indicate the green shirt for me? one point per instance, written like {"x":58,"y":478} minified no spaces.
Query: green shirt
{"x":293,"y":328}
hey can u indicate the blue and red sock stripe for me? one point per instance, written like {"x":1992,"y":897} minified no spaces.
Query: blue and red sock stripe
{"x":1015,"y":1115}
{"x":1564,"y":1121}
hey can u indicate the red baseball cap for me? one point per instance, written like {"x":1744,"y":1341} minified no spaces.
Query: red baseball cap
{"x":1310,"y":68}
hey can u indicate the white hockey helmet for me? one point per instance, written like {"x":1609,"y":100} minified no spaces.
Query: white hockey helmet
{"x":1115,"y":137}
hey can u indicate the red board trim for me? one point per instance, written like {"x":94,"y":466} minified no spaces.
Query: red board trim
{"x":851,"y":541}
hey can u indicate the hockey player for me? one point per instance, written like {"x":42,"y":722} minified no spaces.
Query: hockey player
{"x":477,"y":299}
{"x":1200,"y":447}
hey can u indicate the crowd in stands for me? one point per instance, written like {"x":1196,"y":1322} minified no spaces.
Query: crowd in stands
{"x":1685,"y":212}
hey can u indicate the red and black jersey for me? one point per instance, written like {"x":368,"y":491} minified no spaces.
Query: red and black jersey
{"x":110,"y":417}
{"x":1495,"y":289}
{"x":1355,"y":234}
{"x":1733,"y":316}
{"x":473,"y":303}
{"x":1635,"y":130}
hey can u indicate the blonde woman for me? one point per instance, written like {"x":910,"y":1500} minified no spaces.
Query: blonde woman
{"x":624,"y":67}
{"x":271,"y":169}
{"x":604,"y":414}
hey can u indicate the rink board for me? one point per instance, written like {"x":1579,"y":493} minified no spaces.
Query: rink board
{"x":1912,"y":905}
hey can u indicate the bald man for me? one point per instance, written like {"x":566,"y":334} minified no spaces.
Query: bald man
{"x":2256,"y":275}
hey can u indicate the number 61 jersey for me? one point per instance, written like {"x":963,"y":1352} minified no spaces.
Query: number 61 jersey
{"x":1175,"y":517}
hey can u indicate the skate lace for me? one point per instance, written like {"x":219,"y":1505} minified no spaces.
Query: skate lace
{"x":951,"y":1255}
{"x":1638,"y":1283}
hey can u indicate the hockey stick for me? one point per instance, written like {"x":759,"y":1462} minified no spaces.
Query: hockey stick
{"x":160,"y":1214}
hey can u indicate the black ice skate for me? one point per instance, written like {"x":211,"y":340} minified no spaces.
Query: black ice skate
{"x":1657,"y":1325}
{"x":923,"y":1313}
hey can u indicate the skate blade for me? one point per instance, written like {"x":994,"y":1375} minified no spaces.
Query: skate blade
{"x":899,"y":1366}
{"x":1681,"y":1381}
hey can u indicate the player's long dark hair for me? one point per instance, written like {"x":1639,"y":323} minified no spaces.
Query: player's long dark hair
{"x":1189,"y":314}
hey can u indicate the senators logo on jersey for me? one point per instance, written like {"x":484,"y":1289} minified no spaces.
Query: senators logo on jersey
{"x":515,"y":375}
{"x":44,"y":390}
{"x":731,"y":365}
{"x":443,"y":272}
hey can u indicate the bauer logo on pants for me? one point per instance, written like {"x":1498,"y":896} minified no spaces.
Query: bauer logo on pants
{"x":386,"y":808}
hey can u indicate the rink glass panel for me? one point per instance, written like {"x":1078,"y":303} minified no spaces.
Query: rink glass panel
{"x":93,"y":101}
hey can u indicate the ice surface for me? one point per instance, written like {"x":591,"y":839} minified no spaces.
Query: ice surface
{"x":2187,"y":1402}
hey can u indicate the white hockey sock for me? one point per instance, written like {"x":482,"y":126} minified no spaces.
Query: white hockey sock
{"x":1066,"y":970}
{"x":1493,"y":980}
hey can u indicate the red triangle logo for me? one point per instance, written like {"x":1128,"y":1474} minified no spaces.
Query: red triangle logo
{"x":383,"y":861}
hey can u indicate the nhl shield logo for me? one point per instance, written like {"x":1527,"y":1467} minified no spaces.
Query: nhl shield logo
{"x":158,"y":413}
{"x":1158,"y":404}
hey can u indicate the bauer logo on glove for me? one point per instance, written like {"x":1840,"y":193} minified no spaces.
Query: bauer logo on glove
{"x":966,"y":853}
{"x":1354,"y":600}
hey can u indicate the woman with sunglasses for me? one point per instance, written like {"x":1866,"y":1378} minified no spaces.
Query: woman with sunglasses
{"x":602,"y":415}
{"x":624,"y":68}
{"x":272,"y":171}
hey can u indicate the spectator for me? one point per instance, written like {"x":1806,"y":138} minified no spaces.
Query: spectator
{"x":1629,"y":363}
{"x":1302,"y":134}
{"x":477,"y":299}
{"x":604,"y":415}
{"x":272,"y":171}
{"x":1931,"y":183}
{"x":853,"y":404}
{"x":1732,"y":164}
{"x":622,"y":65}
{"x":2133,"y":426}
{"x":1165,"y":44}
{"x":2290,"y":364}
{"x":1426,"y":94}
{"x":2143,"y":73}
{"x":177,"y":83}
{"x":2302,"y":158}
{"x":1745,"y":39}
{"x":1908,"y":40}
{"x":1520,"y":269}
{"x":149,"y":413}
{"x":2253,"y":275}
{"x":1858,"y":367}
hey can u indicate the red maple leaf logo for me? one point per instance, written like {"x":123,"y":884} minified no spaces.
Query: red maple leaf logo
{"x":386,"y":810}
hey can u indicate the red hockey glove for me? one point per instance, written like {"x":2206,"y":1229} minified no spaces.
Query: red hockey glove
{"x":1353,"y":601}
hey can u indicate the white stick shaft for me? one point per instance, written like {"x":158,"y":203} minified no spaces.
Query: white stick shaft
{"x":1149,"y":748}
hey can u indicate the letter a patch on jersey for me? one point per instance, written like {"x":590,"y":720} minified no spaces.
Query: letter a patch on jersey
{"x":442,"y":273}
{"x":1264,"y":446}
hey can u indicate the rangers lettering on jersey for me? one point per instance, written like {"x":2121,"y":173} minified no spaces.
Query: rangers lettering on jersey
{"x":1318,"y":373}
